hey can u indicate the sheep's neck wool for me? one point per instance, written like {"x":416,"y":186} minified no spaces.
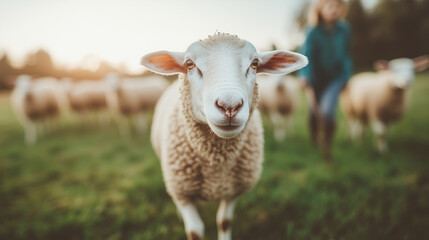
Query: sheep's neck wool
{"x":207,"y":144}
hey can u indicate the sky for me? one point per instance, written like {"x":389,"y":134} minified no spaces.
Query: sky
{"x":79,"y":32}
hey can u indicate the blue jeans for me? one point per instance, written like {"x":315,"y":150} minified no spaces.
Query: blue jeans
{"x":327,"y":99}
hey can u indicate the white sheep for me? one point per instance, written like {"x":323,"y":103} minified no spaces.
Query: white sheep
{"x":279,"y":100}
{"x":207,"y":130}
{"x":35,"y":103}
{"x":87,"y":97}
{"x":379,"y":99}
{"x":133,"y":98}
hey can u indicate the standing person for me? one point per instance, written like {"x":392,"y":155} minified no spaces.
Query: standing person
{"x":329,"y":69}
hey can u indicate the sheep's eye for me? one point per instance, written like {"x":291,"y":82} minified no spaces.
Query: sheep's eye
{"x":190,"y":64}
{"x":255,"y":63}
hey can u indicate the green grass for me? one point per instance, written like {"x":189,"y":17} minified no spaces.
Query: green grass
{"x":86,"y":183}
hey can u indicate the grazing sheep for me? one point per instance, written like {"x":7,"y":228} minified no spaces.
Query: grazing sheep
{"x":133,"y":97}
{"x":279,"y":99}
{"x":35,"y":102}
{"x":206,"y":129}
{"x":379,"y":98}
{"x":87,"y":97}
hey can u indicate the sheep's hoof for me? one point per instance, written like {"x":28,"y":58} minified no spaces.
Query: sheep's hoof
{"x":382,"y":152}
{"x":382,"y":149}
{"x":225,"y":225}
{"x":327,"y":158}
{"x":194,"y":236}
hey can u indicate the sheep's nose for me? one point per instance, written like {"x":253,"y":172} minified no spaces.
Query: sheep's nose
{"x":229,"y":110}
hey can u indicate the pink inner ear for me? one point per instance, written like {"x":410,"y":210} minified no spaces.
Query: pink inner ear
{"x":164,"y":61}
{"x":421,"y":63}
{"x":277,"y":61}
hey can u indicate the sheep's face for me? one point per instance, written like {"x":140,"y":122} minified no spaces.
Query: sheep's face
{"x":403,"y":69}
{"x":222,"y":73}
{"x":222,"y":79}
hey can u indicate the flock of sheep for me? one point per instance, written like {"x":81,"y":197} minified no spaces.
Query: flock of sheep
{"x":207,"y":129}
{"x":41,"y":103}
{"x":370,"y":99}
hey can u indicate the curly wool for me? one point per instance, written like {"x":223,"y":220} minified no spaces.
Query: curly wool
{"x":196,"y":163}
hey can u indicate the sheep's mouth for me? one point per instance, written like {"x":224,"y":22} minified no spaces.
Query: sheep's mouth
{"x":226,"y":131}
{"x":227,"y":127}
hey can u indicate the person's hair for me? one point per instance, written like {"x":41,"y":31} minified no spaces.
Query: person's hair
{"x":315,"y":16}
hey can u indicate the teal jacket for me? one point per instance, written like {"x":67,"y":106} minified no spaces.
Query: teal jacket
{"x":328,"y":54}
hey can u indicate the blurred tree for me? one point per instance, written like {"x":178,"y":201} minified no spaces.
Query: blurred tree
{"x":392,"y":29}
{"x":104,"y":68}
{"x":39,"y":64}
{"x":399,"y":29}
{"x":424,"y":31}
{"x":303,"y":14}
{"x":358,"y":19}
{"x":6,"y":72}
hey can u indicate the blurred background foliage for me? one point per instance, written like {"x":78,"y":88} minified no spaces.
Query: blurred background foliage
{"x":40,"y":64}
{"x":391,"y":29}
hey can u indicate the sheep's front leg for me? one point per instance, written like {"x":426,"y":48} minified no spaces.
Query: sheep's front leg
{"x":355,"y":129}
{"x":279,"y":126}
{"x":30,"y":132}
{"x":124,"y":128}
{"x":289,"y":124}
{"x":103,"y":118}
{"x":194,"y":226}
{"x":140,"y":121}
{"x":380,"y":130}
{"x":224,"y":219}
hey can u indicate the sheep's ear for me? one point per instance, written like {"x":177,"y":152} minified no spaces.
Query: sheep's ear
{"x":281,"y":62}
{"x":381,"y":65}
{"x":421,"y":63}
{"x":164,"y":62}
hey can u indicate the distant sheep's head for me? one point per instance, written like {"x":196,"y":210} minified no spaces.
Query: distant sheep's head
{"x":112,"y":81}
{"x":23,"y":83}
{"x":403,"y":69}
{"x":221,"y":71}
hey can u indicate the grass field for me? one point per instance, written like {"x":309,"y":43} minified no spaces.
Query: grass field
{"x":86,"y":183}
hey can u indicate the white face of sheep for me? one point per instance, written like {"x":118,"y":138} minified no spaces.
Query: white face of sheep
{"x":403,"y":69}
{"x":222,"y":77}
